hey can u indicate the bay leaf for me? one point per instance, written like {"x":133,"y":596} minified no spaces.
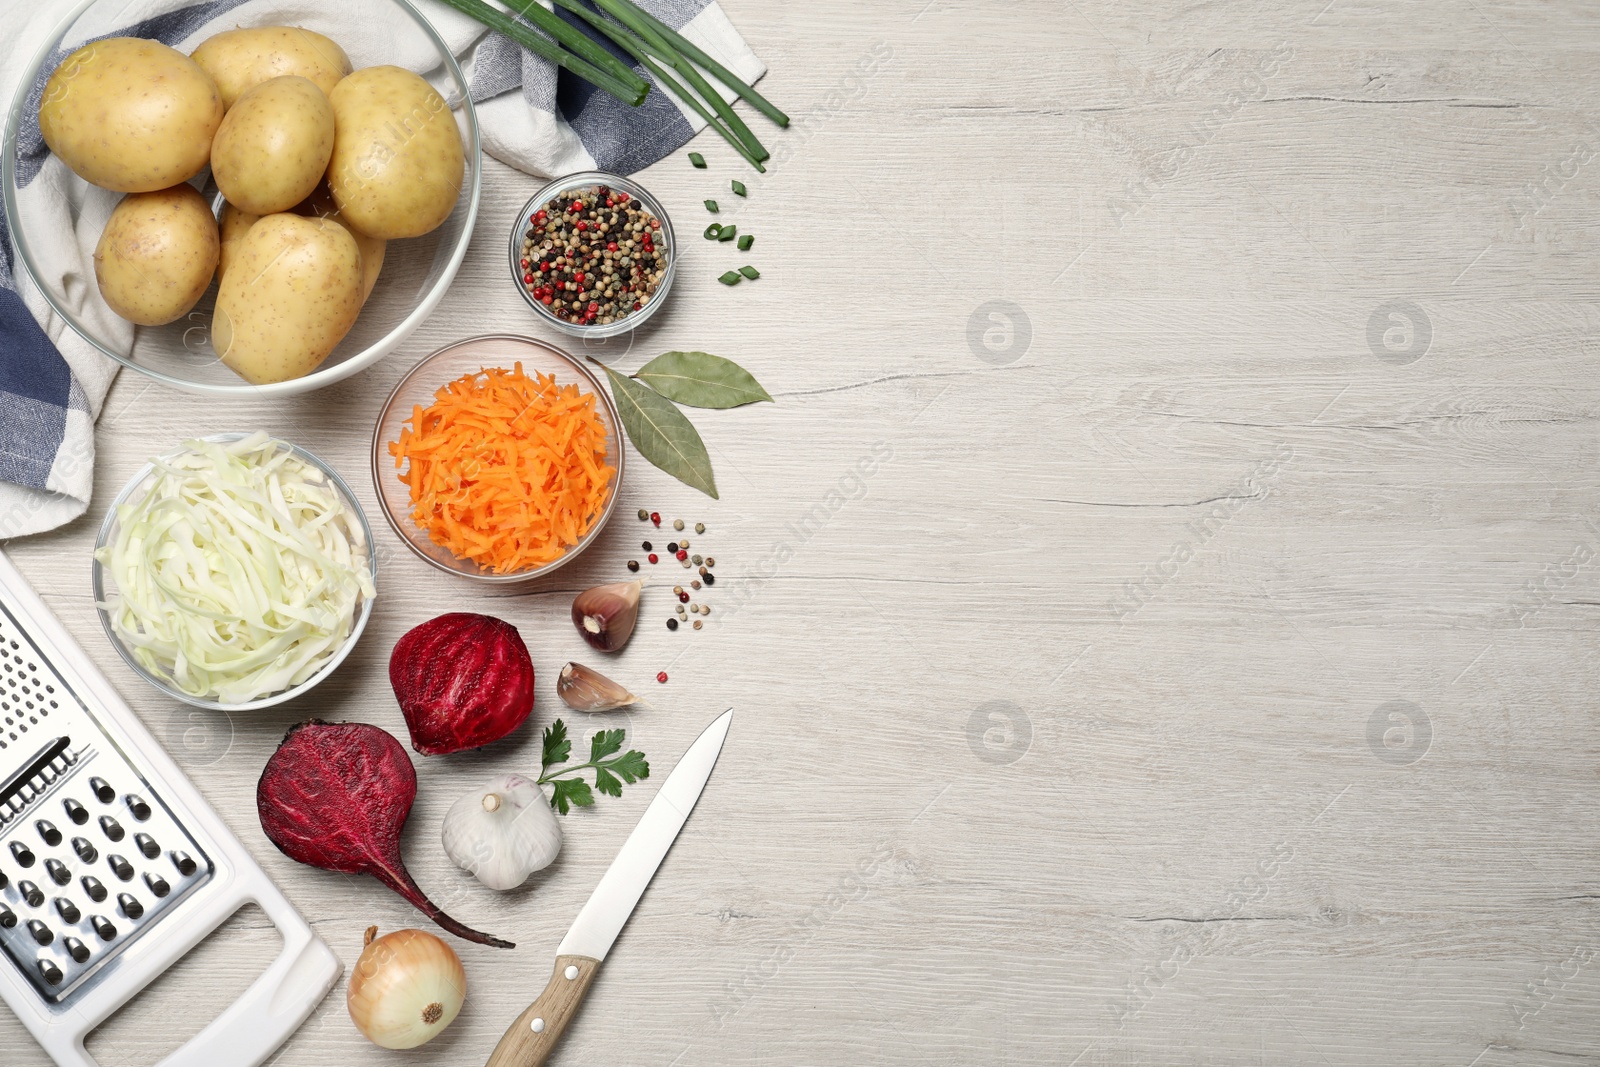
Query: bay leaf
{"x":702,"y":380}
{"x":662,"y":434}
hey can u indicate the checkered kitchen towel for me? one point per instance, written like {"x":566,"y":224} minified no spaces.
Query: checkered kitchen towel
{"x":52,"y":382}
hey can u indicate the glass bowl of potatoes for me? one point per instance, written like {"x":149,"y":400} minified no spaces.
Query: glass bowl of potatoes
{"x":241,"y":207}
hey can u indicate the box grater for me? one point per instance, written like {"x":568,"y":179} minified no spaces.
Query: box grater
{"x":112,"y":866}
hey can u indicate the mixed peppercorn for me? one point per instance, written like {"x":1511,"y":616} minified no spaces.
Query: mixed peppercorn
{"x":679,"y":550}
{"x":592,"y":256}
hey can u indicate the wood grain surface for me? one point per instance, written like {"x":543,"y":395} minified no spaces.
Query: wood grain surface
{"x":1160,"y":606}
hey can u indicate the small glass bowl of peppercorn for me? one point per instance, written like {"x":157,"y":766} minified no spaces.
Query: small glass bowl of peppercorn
{"x":592,"y":254}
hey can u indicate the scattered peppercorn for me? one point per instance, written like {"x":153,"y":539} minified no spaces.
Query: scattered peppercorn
{"x":711,"y":579}
{"x":698,"y":560}
{"x":593,"y":280}
{"x":683,"y":556}
{"x":683,"y":597}
{"x":738,"y":188}
{"x":646,"y":545}
{"x":677,"y":589}
{"x":704,"y":572}
{"x":633,"y":564}
{"x":683,"y":561}
{"x":697,"y":624}
{"x":672,"y":624}
{"x":662,"y":677}
{"x":695,"y":584}
{"x":699,"y":527}
{"x":655,"y":517}
{"x":710,"y":562}
{"x":698,"y":160}
{"x":644,"y":515}
{"x":694,"y":609}
{"x":653,"y":558}
{"x":705,"y":609}
{"x":677,"y":524}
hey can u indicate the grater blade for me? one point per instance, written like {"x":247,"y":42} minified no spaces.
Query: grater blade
{"x":92,"y":858}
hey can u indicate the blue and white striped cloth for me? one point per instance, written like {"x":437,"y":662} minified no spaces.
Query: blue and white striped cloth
{"x":531,"y":116}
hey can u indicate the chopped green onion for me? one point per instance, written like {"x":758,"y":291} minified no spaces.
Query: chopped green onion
{"x":698,"y":160}
{"x":731,"y":278}
{"x":714,"y":232}
{"x":750,"y":272}
{"x":738,"y":187}
{"x":728,"y":233}
{"x":711,"y":206}
{"x":543,"y":47}
{"x":746,"y":241}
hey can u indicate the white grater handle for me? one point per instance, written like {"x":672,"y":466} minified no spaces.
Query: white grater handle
{"x":275,"y":1006}
{"x":272,"y":1009}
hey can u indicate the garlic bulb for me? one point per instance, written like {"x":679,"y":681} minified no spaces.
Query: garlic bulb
{"x":405,"y":989}
{"x":502,"y":831}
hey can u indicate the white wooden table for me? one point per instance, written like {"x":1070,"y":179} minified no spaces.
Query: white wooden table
{"x":1206,"y":671}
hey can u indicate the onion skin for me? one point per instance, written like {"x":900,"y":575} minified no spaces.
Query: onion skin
{"x":405,"y":989}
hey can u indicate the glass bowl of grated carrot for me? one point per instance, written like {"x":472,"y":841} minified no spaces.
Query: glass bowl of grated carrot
{"x":498,"y":458}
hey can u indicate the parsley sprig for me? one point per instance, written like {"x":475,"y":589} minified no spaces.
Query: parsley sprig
{"x":610,"y":769}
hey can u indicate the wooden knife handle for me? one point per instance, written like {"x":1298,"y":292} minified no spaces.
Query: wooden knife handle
{"x":530,"y":1040}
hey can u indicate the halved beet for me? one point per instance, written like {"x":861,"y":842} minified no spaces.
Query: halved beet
{"x":462,"y":680}
{"x":336,"y":796}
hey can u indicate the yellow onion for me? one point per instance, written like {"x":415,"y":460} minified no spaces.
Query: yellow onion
{"x":405,"y":989}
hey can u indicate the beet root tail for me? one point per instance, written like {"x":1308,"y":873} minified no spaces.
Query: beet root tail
{"x":402,"y":884}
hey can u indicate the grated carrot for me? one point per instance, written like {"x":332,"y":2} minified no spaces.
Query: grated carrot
{"x":505,"y":470}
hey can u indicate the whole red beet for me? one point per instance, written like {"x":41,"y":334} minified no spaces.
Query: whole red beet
{"x":462,"y":680}
{"x":336,"y":796}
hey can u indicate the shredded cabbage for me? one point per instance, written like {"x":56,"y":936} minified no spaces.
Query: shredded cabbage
{"x":239,"y":572}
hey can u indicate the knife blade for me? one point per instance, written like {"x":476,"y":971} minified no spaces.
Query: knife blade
{"x":529,"y":1040}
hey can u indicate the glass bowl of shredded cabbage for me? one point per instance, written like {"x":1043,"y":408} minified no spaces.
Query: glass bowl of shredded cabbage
{"x":235,"y":572}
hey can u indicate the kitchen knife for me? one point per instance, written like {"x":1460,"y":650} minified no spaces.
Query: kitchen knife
{"x":529,"y":1041}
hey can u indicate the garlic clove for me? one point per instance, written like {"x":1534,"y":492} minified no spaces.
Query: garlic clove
{"x":586,"y":689}
{"x":605,"y":615}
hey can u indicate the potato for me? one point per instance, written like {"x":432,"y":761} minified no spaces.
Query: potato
{"x":320,"y":205}
{"x":397,"y":160}
{"x":234,"y":225}
{"x":273,"y":145}
{"x":130,"y":115}
{"x":290,"y":295}
{"x":240,"y":59}
{"x":156,"y":255}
